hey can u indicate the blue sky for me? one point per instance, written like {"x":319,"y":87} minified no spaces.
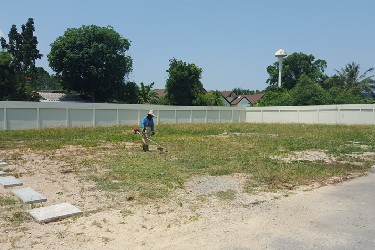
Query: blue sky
{"x":232,"y":41}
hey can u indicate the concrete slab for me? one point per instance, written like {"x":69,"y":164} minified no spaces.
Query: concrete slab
{"x":54,"y":212}
{"x":10,"y":181}
{"x":3,"y":164}
{"x":2,"y":172}
{"x":29,"y":195}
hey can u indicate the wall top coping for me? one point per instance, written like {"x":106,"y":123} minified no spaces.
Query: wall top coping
{"x":321,"y":107}
{"x":72,"y":105}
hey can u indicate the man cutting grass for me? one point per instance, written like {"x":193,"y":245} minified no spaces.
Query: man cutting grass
{"x":148,"y":129}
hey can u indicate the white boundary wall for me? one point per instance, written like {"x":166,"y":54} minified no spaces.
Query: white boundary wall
{"x":29,"y":115}
{"x":32,"y":115}
{"x":326,"y":114}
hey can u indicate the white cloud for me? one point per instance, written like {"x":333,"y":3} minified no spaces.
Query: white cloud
{"x":1,"y":34}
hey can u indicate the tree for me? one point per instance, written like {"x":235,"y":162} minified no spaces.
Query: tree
{"x":348,"y":85}
{"x":23,"y":50}
{"x":183,"y":85}
{"x":23,"y":47}
{"x":44,"y":81}
{"x":92,"y":61}
{"x":294,"y":66}
{"x":350,"y":76}
{"x":341,"y":95}
{"x":131,"y":93}
{"x":8,"y":81}
{"x":240,"y":91}
{"x":308,"y":92}
{"x":211,"y":98}
{"x":275,"y":96}
{"x":146,"y":94}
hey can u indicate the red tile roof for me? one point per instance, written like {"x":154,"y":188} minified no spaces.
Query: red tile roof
{"x":226,"y":94}
{"x":160,"y":92}
{"x":250,"y":98}
{"x":254,"y":97}
{"x":239,"y":98}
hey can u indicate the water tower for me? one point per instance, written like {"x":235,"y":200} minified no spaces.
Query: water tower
{"x":280,"y":54}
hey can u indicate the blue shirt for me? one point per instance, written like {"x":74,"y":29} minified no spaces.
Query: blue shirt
{"x":148,"y":123}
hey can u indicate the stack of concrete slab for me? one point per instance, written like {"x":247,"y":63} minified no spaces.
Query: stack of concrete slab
{"x":30,"y":196}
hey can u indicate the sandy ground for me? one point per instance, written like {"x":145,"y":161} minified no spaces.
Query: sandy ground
{"x":208,"y":213}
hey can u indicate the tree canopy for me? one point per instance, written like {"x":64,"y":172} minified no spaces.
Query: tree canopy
{"x":183,"y":85}
{"x":91,"y":60}
{"x":211,"y":98}
{"x":241,"y":91}
{"x":146,"y":94}
{"x":294,"y":66}
{"x":347,"y":86}
{"x":18,"y":63}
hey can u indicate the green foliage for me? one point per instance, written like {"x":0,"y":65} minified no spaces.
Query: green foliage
{"x":131,"y":92}
{"x":240,"y":91}
{"x":8,"y":78}
{"x":146,"y":94}
{"x":18,"y":63}
{"x":275,"y":96}
{"x":6,"y":201}
{"x":183,"y":85}
{"x":162,"y":101}
{"x":211,"y":98}
{"x":308,"y":92}
{"x":350,"y":86}
{"x":44,"y":81}
{"x":304,"y":83}
{"x":23,"y":47}
{"x":92,"y":61}
{"x":341,"y":95}
{"x":350,"y":76}
{"x":294,"y":66}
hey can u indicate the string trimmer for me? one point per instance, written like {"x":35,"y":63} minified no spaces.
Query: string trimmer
{"x":160,"y":148}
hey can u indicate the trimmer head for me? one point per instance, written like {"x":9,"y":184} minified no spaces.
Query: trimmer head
{"x":160,"y":148}
{"x":136,"y":130}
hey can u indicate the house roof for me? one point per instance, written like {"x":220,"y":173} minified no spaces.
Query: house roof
{"x":160,"y":92}
{"x":254,"y":97}
{"x":226,"y":94}
{"x":238,"y":99}
{"x":58,"y":96}
{"x":250,"y":98}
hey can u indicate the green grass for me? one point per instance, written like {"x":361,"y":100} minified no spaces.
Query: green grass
{"x":207,"y":149}
{"x":6,"y":201}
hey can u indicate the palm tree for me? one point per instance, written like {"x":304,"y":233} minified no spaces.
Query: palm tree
{"x":350,"y":78}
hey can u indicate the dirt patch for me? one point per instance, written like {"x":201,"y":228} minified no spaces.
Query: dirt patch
{"x":308,"y":155}
{"x":316,"y":155}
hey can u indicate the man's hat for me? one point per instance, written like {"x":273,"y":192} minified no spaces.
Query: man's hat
{"x":151,"y":112}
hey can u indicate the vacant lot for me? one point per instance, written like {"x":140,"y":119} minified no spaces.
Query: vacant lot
{"x":202,"y":171}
